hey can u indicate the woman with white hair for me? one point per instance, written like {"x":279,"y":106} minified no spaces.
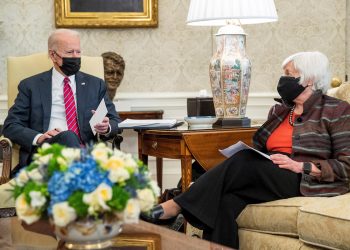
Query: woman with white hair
{"x":307,"y":136}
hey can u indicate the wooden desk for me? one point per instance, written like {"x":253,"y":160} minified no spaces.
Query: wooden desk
{"x":187,"y":145}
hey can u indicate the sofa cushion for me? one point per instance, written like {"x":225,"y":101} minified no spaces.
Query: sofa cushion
{"x":254,"y":240}
{"x":275,"y":217}
{"x":326,"y":224}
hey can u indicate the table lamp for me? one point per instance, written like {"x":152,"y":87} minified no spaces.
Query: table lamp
{"x":230,"y":68}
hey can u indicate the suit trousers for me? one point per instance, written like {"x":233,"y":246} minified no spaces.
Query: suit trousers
{"x":67,"y":138}
{"x":216,"y":199}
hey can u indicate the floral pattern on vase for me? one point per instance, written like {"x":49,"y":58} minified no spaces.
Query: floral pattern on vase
{"x":229,"y":73}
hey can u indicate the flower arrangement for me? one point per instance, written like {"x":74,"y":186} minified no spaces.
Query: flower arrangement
{"x":67,"y":185}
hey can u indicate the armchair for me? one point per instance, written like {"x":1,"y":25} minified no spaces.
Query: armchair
{"x":19,"y":68}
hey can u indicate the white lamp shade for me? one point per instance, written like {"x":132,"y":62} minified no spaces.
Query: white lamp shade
{"x":221,"y":12}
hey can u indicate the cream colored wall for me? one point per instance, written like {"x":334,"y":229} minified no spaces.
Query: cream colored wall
{"x":174,"y":57}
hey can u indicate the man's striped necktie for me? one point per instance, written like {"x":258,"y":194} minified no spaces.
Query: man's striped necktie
{"x":69,"y":103}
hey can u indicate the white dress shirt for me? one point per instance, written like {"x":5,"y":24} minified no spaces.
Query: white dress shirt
{"x":58,"y":110}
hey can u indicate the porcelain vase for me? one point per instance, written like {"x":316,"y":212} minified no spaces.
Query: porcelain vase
{"x":89,"y":233}
{"x":229,"y":72}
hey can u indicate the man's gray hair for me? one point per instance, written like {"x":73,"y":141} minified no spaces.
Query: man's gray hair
{"x":54,"y":37}
{"x":312,"y":65}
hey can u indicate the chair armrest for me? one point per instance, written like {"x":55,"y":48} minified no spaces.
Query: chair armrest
{"x":6,"y":146}
{"x":117,"y":140}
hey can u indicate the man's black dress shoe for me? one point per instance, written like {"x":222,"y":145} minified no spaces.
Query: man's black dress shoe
{"x":153,"y":216}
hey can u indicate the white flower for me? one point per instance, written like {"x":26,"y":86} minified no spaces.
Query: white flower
{"x":37,"y":199}
{"x":118,"y":175}
{"x":44,"y":160}
{"x":97,"y":199}
{"x":25,"y":212}
{"x":71,"y":154}
{"x":132,"y":211}
{"x":100,"y":154}
{"x":22,"y":178}
{"x":63,"y":214}
{"x":46,"y":146}
{"x":146,"y":199}
{"x":130,"y":161}
{"x":114,"y":162}
{"x":62,"y":161}
{"x":155,"y":188}
{"x":35,"y":175}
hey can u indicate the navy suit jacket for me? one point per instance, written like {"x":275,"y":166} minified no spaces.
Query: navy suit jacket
{"x":31,"y":112}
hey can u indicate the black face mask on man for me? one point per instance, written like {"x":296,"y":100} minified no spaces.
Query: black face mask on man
{"x":70,"y":65}
{"x":289,"y":88}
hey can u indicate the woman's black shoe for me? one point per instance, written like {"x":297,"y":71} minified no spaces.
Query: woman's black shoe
{"x":153,"y":216}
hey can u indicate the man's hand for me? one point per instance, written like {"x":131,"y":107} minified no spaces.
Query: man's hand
{"x":102,"y":127}
{"x":47,"y":135}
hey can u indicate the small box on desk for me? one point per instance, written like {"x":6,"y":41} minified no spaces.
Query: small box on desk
{"x":200,"y":106}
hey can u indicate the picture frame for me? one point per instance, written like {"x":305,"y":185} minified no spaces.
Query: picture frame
{"x":106,"y":13}
{"x":139,"y":241}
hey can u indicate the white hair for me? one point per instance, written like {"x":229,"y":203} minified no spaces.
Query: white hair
{"x":55,"y":36}
{"x":312,"y":65}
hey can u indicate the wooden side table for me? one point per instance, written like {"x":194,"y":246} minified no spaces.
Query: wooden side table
{"x":186,"y":145}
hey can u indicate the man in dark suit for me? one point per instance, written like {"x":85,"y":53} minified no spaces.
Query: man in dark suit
{"x":56,"y":106}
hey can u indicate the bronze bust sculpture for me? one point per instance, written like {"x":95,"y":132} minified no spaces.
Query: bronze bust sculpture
{"x":114,"y":67}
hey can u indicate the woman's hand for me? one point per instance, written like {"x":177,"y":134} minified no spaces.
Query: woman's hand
{"x":285,"y":162}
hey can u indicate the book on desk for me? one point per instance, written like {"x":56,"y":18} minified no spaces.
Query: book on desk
{"x":149,"y":124}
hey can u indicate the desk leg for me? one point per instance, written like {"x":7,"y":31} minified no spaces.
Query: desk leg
{"x":144,"y":159}
{"x":186,"y":172}
{"x":159,"y":164}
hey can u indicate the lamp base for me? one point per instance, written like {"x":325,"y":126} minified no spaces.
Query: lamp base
{"x":232,"y":122}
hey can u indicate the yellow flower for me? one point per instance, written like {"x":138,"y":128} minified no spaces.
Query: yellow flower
{"x":63,"y":214}
{"x":100,"y":154}
{"x":132,"y":211}
{"x":26,"y":212}
{"x":113,"y":163}
{"x":97,"y":199}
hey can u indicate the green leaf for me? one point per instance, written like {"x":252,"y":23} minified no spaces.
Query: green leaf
{"x":119,"y":198}
{"x":76,"y":202}
{"x":33,"y":186}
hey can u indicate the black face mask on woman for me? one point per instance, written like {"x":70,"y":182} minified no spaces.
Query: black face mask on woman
{"x":289,"y":88}
{"x":70,"y":65}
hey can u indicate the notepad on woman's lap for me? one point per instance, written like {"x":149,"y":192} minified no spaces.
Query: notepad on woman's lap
{"x":231,"y":150}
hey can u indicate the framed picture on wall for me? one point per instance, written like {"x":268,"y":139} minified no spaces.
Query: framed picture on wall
{"x":106,"y":13}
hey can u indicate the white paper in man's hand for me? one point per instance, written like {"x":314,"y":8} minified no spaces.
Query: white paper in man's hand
{"x":100,"y":113}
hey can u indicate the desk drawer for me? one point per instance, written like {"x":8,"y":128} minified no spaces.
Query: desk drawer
{"x":162,"y":147}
